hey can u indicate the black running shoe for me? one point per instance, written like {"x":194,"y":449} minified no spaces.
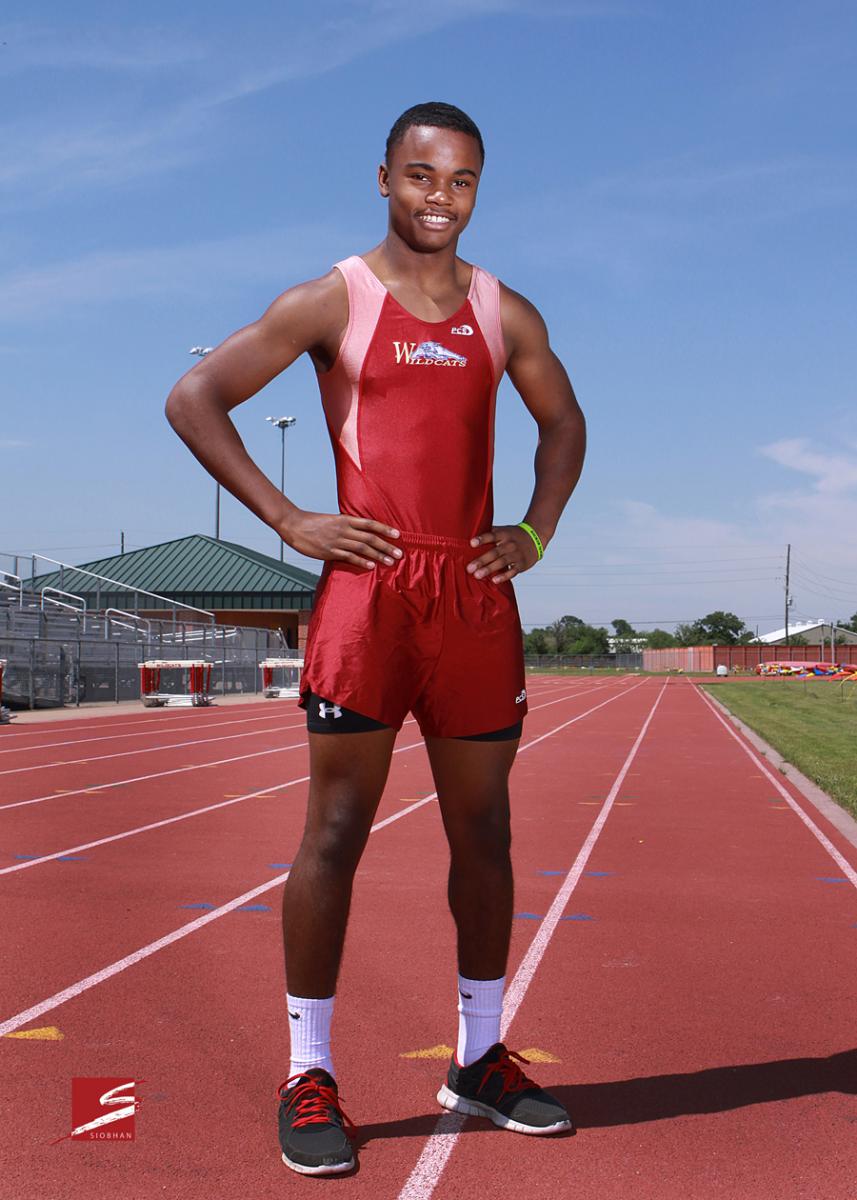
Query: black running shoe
{"x":495,"y":1087}
{"x":314,"y":1131}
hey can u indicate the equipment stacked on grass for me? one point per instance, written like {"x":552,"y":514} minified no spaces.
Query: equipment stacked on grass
{"x":191,"y":676}
{"x":281,"y":677}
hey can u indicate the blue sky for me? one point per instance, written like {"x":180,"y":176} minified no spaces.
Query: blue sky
{"x":672,"y":184}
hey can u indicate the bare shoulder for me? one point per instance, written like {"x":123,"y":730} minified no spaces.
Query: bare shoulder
{"x":322,"y":299}
{"x":523,"y":324}
{"x":310,"y":316}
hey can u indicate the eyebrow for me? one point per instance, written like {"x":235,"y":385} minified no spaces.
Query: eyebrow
{"x":429,"y":167}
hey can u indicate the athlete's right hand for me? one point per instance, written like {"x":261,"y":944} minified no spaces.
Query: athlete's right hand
{"x":342,"y":538}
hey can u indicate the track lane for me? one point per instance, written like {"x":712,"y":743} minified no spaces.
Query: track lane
{"x":240,"y":977}
{"x":704,"y":1018}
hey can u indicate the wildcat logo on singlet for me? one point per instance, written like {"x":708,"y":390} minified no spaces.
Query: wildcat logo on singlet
{"x":427,"y":354}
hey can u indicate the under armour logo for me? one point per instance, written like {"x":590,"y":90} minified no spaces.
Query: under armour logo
{"x":325,"y":710}
{"x":463,"y":330}
{"x":520,"y":699}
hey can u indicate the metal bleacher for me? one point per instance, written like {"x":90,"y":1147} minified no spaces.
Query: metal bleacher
{"x":58,"y":652}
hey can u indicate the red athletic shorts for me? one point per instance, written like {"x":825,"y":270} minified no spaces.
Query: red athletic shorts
{"x":421,"y":636}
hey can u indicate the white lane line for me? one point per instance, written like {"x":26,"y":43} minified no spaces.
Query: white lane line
{"x":841,"y":862}
{"x":83,"y":985}
{"x":103,"y":787}
{"x":429,"y":1167}
{"x":115,"y":737}
{"x":139,"y":751}
{"x":180,"y":717}
{"x":180,"y":720}
{"x":98,"y":787}
{"x":116,"y":837}
{"x":196,"y":812}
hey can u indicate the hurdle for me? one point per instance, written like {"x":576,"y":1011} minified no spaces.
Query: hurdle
{"x":289,"y":686}
{"x":195,"y":693}
{"x":5,"y":715}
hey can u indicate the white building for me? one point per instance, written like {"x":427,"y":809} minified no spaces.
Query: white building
{"x":816,"y":633}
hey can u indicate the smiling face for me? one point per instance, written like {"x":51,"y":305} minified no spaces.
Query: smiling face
{"x":430,"y":179}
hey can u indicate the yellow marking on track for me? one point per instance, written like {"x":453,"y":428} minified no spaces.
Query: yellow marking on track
{"x":539,"y":1056}
{"x":47,"y":1033}
{"x":780,"y":808}
{"x":429,"y":1052}
{"x":625,"y":803}
{"x":592,"y":803}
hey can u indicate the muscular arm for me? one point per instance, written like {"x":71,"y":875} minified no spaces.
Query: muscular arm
{"x":308,"y":318}
{"x":545,"y":389}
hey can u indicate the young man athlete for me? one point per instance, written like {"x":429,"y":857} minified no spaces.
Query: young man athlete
{"x":415,"y":609}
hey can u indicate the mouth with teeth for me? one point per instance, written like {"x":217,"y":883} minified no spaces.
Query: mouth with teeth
{"x":435,"y":220}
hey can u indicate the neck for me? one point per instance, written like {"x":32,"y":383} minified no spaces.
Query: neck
{"x":424,"y":268}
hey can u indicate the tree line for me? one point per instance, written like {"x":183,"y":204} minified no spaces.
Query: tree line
{"x":571,"y":635}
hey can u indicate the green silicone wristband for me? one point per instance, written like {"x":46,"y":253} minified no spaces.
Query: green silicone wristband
{"x":537,"y":541}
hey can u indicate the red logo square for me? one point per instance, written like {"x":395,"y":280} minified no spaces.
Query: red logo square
{"x":103,"y":1109}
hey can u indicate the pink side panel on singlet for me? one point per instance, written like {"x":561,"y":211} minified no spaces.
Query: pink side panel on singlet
{"x":340,"y":386}
{"x":485,"y":300}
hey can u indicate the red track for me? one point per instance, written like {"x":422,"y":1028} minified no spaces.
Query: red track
{"x":700,"y":1005}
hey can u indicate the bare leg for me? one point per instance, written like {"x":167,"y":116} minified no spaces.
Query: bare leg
{"x":473,"y":793}
{"x":347,"y":776}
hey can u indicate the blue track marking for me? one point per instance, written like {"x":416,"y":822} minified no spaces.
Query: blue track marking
{"x":26,"y":857}
{"x":72,"y":858}
{"x":578,"y":917}
{"x":528,"y":916}
{"x":254,"y":908}
{"x":598,"y":874}
{"x":831,"y":879}
{"x":202,"y":904}
{"x":553,"y":872}
{"x":279,"y":866}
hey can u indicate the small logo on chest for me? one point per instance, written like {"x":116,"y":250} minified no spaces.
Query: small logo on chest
{"x":427,"y":354}
{"x":463,"y":330}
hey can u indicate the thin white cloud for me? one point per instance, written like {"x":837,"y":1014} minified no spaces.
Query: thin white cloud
{"x":279,"y":256}
{"x":831,"y":471}
{"x":26,"y":47}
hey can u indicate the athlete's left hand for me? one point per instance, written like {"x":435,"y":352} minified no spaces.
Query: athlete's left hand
{"x":510,"y":551}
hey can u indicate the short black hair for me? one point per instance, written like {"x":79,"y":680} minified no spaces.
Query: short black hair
{"x":437,"y":115}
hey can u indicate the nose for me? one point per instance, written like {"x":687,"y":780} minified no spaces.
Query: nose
{"x":439,"y":196}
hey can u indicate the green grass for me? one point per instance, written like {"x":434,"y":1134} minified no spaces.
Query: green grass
{"x":813,"y":724}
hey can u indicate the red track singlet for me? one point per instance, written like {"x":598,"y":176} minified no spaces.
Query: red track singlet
{"x":410,"y":409}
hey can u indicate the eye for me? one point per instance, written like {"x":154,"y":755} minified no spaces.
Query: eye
{"x":464,"y":183}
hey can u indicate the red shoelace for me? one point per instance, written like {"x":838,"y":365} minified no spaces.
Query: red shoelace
{"x":513,"y":1078}
{"x":312,"y":1102}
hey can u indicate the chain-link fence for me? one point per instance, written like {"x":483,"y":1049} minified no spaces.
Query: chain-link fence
{"x":621,"y":662}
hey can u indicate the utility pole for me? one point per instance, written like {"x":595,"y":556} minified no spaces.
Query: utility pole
{"x":788,"y":598}
{"x":122,"y":541}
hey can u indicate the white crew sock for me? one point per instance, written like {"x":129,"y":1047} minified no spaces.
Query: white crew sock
{"x":309,"y":1027}
{"x":480,"y":1005}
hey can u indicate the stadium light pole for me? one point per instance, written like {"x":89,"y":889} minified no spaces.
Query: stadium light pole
{"x":282,"y":423}
{"x":201,"y":352}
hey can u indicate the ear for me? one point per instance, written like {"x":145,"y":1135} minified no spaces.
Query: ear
{"x":383,"y":180}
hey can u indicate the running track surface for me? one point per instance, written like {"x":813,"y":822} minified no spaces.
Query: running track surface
{"x":684,"y":955}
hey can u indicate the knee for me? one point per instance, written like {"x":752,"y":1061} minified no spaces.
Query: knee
{"x":482,"y":833}
{"x":336,"y":843}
